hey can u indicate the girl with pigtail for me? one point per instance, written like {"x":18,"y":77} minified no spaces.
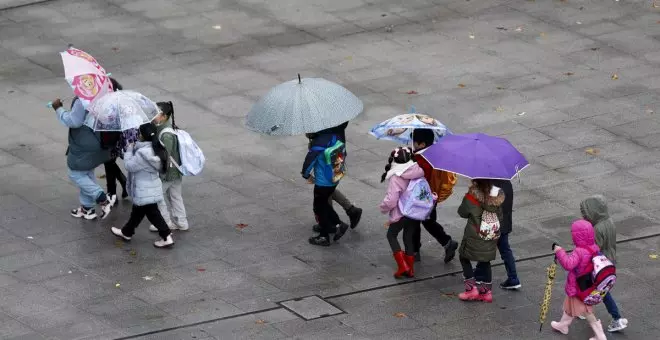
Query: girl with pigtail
{"x":171,"y":207}
{"x":400,"y":170}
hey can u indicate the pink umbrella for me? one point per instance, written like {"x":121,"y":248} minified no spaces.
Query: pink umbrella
{"x":87,"y":78}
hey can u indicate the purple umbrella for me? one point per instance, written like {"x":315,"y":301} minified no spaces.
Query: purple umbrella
{"x":476,"y":156}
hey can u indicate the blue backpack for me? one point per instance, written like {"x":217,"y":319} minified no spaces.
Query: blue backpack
{"x":417,"y":201}
{"x":334,"y":159}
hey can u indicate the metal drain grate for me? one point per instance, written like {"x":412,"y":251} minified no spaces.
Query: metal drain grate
{"x":311,"y":307}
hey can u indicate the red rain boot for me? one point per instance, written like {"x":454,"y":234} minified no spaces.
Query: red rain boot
{"x":485,"y":292}
{"x":403,"y":269}
{"x":471,"y":293}
{"x":410,"y":261}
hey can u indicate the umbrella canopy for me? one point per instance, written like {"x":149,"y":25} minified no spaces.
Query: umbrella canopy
{"x":476,"y":156}
{"x":85,"y":76}
{"x":547,"y":294}
{"x":399,"y":128}
{"x":303,"y":106}
{"x":120,"y":111}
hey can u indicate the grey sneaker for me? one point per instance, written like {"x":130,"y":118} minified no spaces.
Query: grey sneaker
{"x":617,"y":325}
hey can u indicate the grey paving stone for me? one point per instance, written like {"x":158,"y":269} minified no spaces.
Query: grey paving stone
{"x":312,"y":307}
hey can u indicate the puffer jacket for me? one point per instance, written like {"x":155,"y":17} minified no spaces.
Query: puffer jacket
{"x":578,"y":262}
{"x":473,"y":247}
{"x":400,"y":175}
{"x":143,"y":166}
{"x":594,"y":210}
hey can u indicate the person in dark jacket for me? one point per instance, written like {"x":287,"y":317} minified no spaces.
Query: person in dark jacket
{"x":506,"y":225}
{"x":354,"y":213}
{"x":84,"y":154}
{"x":113,"y":173}
{"x":325,"y":184}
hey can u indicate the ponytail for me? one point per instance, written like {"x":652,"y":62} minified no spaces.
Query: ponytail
{"x":167,"y":108}
{"x":400,"y":155}
{"x":388,"y":166}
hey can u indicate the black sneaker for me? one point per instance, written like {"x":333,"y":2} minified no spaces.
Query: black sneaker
{"x":511,"y":284}
{"x":112,"y":199}
{"x":418,"y":257}
{"x":82,"y":212}
{"x":317,"y":229}
{"x":354,"y":215}
{"x":341,"y":230}
{"x":450,"y":250}
{"x":319,"y":241}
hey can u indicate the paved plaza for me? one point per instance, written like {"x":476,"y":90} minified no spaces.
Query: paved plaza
{"x":573,"y":84}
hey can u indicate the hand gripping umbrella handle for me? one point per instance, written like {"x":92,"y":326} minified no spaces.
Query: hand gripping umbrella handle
{"x":49,"y":105}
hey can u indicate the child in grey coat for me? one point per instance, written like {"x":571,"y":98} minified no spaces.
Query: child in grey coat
{"x":145,"y":162}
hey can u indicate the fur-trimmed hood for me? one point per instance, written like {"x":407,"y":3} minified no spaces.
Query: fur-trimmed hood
{"x":487,"y":202}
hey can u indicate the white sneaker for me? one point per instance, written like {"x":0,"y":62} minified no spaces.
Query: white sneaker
{"x":164,"y":243}
{"x":106,"y":207}
{"x":617,"y":325}
{"x":117,"y":232}
{"x":172,"y":226}
{"x":113,"y":200}
{"x":81,"y":212}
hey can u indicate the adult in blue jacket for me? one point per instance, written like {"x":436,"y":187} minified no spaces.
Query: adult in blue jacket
{"x":84,"y":154}
{"x":324,"y":187}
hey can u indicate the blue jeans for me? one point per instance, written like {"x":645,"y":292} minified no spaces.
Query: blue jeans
{"x":90,"y":192}
{"x":507,"y":256}
{"x":611,"y":306}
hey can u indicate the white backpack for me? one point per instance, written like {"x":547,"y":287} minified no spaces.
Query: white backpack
{"x":192,"y":157}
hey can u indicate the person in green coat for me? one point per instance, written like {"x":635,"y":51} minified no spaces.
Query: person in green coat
{"x":172,"y":207}
{"x":482,"y":196}
{"x":594,"y":209}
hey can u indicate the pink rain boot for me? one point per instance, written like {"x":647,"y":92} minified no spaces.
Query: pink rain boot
{"x":485,"y":292}
{"x":471,"y":292}
{"x":562,"y":325}
{"x":598,"y":330}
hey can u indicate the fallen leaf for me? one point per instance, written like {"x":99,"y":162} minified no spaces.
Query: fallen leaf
{"x":657,"y":22}
{"x":471,"y":35}
{"x":30,"y":238}
{"x":201,"y":269}
{"x":519,"y":29}
{"x":241,"y":226}
{"x":412,"y":92}
{"x":102,"y":176}
{"x":579,"y":22}
{"x":119,"y":243}
{"x":448,"y":294}
{"x":115,"y":49}
{"x":400,"y":315}
{"x":461,"y":85}
{"x":569,"y":73}
{"x":70,"y":272}
{"x":501,"y":88}
{"x":615,"y":76}
{"x":499,"y":109}
{"x":502,"y":28}
{"x":595,"y":48}
{"x":260,"y":322}
{"x":117,"y":285}
{"x":522,"y":113}
{"x":217,"y":27}
{"x":349,"y":58}
{"x":542,"y":34}
{"x":132,"y":253}
{"x":653,"y":256}
{"x":383,"y":15}
{"x":592,"y":151}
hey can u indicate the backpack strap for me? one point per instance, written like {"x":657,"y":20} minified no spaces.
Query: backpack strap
{"x":160,"y":139}
{"x":472,"y":199}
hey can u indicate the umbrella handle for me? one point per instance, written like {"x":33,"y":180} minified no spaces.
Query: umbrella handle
{"x":49,"y":105}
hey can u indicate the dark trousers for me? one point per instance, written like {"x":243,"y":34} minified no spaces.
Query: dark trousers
{"x":434,"y":228}
{"x":326,"y":214}
{"x":153,"y":215}
{"x":507,"y":256}
{"x":408,"y":226}
{"x":482,"y":273}
{"x":112,"y":175}
{"x":611,"y":306}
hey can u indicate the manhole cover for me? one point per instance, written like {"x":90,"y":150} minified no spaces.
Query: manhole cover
{"x":311,"y":307}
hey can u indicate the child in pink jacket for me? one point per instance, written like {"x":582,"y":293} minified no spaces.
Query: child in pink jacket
{"x":578,"y":263}
{"x":400,"y":170}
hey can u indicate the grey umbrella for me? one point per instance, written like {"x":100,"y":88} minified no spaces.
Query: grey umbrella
{"x":303,"y":106}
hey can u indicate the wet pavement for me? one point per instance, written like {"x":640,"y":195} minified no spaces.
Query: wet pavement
{"x":571,"y":84}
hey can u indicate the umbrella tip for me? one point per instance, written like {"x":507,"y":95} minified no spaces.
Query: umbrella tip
{"x":299,"y":80}
{"x":69,"y":46}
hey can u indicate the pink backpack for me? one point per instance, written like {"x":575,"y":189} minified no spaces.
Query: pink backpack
{"x":598,"y":281}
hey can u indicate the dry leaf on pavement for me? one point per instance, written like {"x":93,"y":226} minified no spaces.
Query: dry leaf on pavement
{"x":499,"y":109}
{"x":400,"y":315}
{"x":569,"y":73}
{"x":592,"y":151}
{"x":102,"y":176}
{"x":241,"y":226}
{"x":412,"y":92}
{"x":461,"y":85}
{"x":260,"y":322}
{"x":653,"y":256}
{"x":615,"y":76}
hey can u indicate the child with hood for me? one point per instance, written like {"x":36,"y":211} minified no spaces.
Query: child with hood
{"x":594,"y":209}
{"x":481,"y":196}
{"x":578,"y":263}
{"x":400,"y":170}
{"x":145,"y":161}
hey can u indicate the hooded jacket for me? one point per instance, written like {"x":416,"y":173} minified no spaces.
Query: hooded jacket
{"x":473,"y":247}
{"x":400,"y":175}
{"x":594,"y":210}
{"x":578,"y":262}
{"x":143,"y":167}
{"x":84,"y":152}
